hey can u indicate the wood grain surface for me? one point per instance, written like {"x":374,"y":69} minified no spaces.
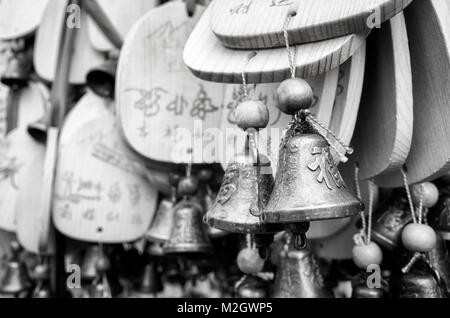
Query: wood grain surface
{"x":208,"y":59}
{"x":20,"y":18}
{"x":385,"y":122}
{"x":18,"y":152}
{"x":253,"y":24}
{"x":48,"y":43}
{"x":100,"y":196}
{"x":123,"y":14}
{"x":165,"y":111}
{"x":428,"y":25}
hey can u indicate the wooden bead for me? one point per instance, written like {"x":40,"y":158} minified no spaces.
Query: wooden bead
{"x":429,"y":193}
{"x":294,"y":95}
{"x":205,"y":175}
{"x":418,"y":238}
{"x":174,"y":179}
{"x":365,"y":255}
{"x":188,"y":186}
{"x":102,"y":265}
{"x":252,"y":114}
{"x":249,"y":261}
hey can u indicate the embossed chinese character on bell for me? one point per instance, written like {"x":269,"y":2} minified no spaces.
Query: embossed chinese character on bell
{"x":308,"y":186}
{"x":387,"y":229}
{"x":298,"y":276}
{"x":236,"y":207}
{"x":188,"y":235}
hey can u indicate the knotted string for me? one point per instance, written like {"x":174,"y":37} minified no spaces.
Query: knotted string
{"x":364,"y":237}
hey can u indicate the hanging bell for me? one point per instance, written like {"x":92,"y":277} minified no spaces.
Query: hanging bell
{"x":101,"y":80}
{"x":439,"y":260}
{"x":42,"y":277}
{"x":15,"y":279}
{"x":361,"y":289}
{"x":420,"y":284}
{"x":441,"y":213}
{"x":387,"y":229}
{"x":19,"y":65}
{"x":252,"y":287}
{"x":308,"y":185}
{"x":188,"y":234}
{"x":298,"y":275}
{"x":161,"y":227}
{"x":88,"y":265}
{"x":150,"y":283}
{"x":237,"y":206}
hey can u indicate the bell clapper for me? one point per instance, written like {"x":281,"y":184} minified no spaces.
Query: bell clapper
{"x":418,"y":237}
{"x":249,"y":261}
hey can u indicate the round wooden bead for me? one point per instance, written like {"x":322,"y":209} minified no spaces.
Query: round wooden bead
{"x":40,"y":272}
{"x":205,"y":175}
{"x":429,"y":193}
{"x":249,"y":261}
{"x":102,"y":265}
{"x":252,"y":114}
{"x":419,"y":238}
{"x":188,"y":186}
{"x":365,"y":255}
{"x":294,"y":95}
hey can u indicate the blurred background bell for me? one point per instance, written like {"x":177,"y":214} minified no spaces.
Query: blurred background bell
{"x":420,"y":284}
{"x":161,"y":227}
{"x":308,"y":186}
{"x":188,"y":234}
{"x":15,"y":279}
{"x":150,"y":284}
{"x":252,"y":287}
{"x":101,"y":80}
{"x":19,"y":64}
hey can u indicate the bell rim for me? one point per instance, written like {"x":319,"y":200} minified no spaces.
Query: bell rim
{"x":194,"y":249}
{"x":157,"y":239}
{"x":245,"y":228}
{"x":321,"y":213}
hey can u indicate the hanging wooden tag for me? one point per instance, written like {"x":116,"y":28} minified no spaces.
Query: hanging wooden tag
{"x":123,"y":15}
{"x":19,"y":151}
{"x":20,"y":18}
{"x":100,"y":194}
{"x":208,"y":59}
{"x":324,"y":87}
{"x":428,"y":25}
{"x":48,"y":44}
{"x":253,"y":24}
{"x":385,"y":121}
{"x":163,"y":108}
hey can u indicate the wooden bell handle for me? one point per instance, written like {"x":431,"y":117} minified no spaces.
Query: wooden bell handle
{"x":103,"y":22}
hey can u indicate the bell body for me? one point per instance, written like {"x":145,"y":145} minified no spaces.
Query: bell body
{"x":309,"y":186}
{"x":387,"y":229}
{"x":161,"y":227}
{"x":443,"y":216}
{"x":150,"y":282}
{"x":420,"y":285}
{"x":188,"y":232}
{"x":298,"y":276}
{"x":440,"y":262}
{"x":238,"y":198}
{"x":14,"y":278}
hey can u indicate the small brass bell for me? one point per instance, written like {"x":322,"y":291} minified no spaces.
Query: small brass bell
{"x":150,"y":283}
{"x":439,"y":260}
{"x":308,"y":185}
{"x":236,"y":207}
{"x":420,"y":284}
{"x":15,"y":279}
{"x":387,"y":229}
{"x":42,"y":277}
{"x":252,"y":287}
{"x":101,"y":80}
{"x":298,"y":275}
{"x":161,"y":227}
{"x":188,"y":234}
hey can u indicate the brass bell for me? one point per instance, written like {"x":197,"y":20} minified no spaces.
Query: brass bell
{"x":15,"y":279}
{"x":19,"y":64}
{"x":441,"y":215}
{"x":420,"y":284}
{"x":308,"y":186}
{"x":387,"y":229}
{"x":237,"y":206}
{"x":42,"y":277}
{"x":439,"y":260}
{"x":188,"y":234}
{"x":101,"y":80}
{"x":161,"y":227}
{"x":298,"y":275}
{"x":252,"y":287}
{"x":150,"y":283}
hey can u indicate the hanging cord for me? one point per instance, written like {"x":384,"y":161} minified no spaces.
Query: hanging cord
{"x":408,"y":194}
{"x":364,"y":237}
{"x":292,"y":54}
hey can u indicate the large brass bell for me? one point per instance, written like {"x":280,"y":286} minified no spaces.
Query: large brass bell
{"x":387,"y":229}
{"x":101,"y":80}
{"x":298,"y":275}
{"x":15,"y":279}
{"x":420,"y":284}
{"x":188,"y":234}
{"x":308,"y":185}
{"x":439,"y":260}
{"x":161,"y":227}
{"x":242,"y":196}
